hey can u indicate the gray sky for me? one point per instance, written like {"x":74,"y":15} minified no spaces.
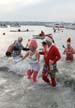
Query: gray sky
{"x":37,"y":10}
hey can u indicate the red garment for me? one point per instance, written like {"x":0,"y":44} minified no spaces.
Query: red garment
{"x":69,"y":53}
{"x":53,"y":54}
{"x":32,"y":75}
{"x":42,"y":34}
{"x":46,"y":79}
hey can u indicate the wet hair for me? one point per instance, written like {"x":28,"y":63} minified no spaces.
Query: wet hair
{"x":44,"y":43}
{"x":20,"y":38}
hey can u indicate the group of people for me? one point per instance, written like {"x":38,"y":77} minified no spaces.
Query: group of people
{"x":50,"y":53}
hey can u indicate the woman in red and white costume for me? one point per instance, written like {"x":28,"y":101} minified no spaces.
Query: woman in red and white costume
{"x":33,"y":64}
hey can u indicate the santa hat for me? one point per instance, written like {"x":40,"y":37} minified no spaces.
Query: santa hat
{"x":50,"y":38}
{"x":69,"y":40}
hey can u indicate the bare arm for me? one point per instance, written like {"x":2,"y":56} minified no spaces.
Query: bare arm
{"x":26,"y":55}
{"x":73,"y":51}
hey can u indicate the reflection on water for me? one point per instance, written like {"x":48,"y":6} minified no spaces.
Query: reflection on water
{"x":14,"y":92}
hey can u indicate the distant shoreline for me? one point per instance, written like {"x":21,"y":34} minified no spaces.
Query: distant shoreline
{"x":36,"y":23}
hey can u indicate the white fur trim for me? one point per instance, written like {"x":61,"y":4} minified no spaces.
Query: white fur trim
{"x":48,"y":39}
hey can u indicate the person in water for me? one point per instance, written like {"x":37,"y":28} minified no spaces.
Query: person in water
{"x":69,"y":51}
{"x":15,"y":48}
{"x":42,"y":33}
{"x":51,"y":56}
{"x":34,"y":57}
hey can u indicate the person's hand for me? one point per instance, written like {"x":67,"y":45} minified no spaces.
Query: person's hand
{"x":51,"y":61}
{"x":51,"y":64}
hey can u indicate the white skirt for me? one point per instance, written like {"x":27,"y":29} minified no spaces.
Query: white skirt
{"x":34,"y":66}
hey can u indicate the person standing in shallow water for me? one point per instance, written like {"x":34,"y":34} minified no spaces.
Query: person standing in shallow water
{"x":69,"y":51}
{"x":51,"y":56}
{"x":33,"y":65}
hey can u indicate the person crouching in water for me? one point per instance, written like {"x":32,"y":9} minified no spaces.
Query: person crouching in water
{"x":15,"y":48}
{"x":34,"y":57}
{"x":69,"y":51}
{"x":51,"y":56}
